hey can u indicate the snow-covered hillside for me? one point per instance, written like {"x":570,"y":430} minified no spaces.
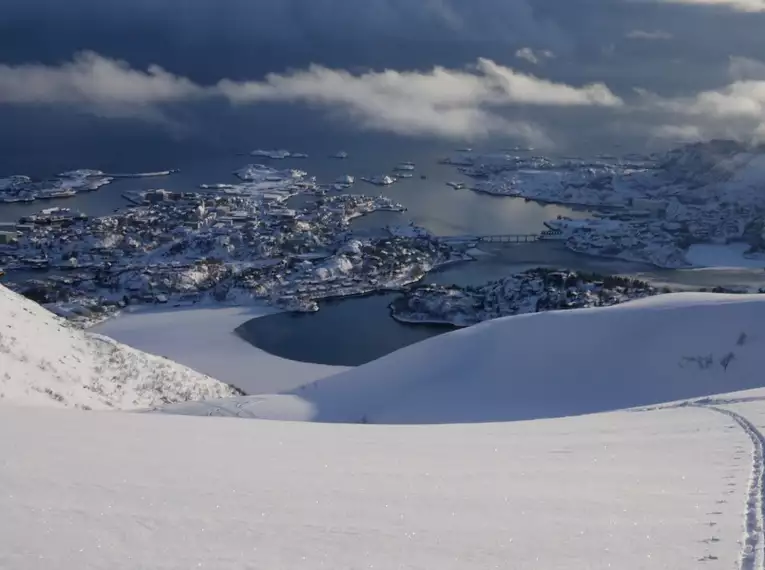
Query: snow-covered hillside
{"x":46,"y":361}
{"x":650,"y":490}
{"x":649,"y":351}
{"x":203,"y":338}
{"x":675,"y":487}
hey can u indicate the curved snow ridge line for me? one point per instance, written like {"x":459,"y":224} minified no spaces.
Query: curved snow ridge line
{"x":752,"y":555}
{"x":710,"y":402}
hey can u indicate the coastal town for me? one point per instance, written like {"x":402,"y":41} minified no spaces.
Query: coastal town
{"x":234,"y":243}
{"x":652,"y":209}
{"x":276,"y":235}
{"x":532,"y":291}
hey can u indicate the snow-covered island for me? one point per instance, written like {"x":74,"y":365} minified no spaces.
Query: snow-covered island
{"x":650,"y":209}
{"x":226,"y":243}
{"x":280,"y":154}
{"x":532,"y":291}
{"x":20,"y":188}
{"x":379,"y":180}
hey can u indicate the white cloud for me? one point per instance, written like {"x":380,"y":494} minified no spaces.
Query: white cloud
{"x":103,"y":85}
{"x":679,"y":133}
{"x":648,"y":35}
{"x":741,"y":99}
{"x":455,"y":103}
{"x":736,"y":110}
{"x":484,"y":99}
{"x":739,"y":5}
{"x":534,"y":57}
{"x":441,"y":101}
{"x":744,"y":68}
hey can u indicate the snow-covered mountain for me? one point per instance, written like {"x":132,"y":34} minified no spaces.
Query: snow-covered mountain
{"x":46,"y":361}
{"x":672,"y":487}
{"x":553,"y":364}
{"x":710,"y":162}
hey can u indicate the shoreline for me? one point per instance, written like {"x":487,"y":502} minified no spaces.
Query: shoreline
{"x":203,"y":337}
{"x":426,"y":322}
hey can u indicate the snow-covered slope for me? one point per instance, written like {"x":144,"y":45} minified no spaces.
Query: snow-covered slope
{"x":654,"y":350}
{"x":46,"y":361}
{"x":675,"y":488}
{"x":650,"y":490}
{"x":204,"y":339}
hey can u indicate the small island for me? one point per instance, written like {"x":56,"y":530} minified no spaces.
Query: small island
{"x":532,"y":291}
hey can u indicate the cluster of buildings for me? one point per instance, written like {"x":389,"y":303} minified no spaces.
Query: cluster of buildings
{"x":533,"y":291}
{"x":224,"y":243}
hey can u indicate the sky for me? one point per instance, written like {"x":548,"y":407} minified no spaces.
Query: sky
{"x":543,"y":72}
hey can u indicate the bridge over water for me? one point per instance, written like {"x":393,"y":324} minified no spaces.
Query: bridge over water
{"x":500,"y":238}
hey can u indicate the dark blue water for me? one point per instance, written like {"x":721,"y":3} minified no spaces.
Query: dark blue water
{"x":346,"y":332}
{"x":430,"y":202}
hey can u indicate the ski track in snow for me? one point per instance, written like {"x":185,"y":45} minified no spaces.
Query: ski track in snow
{"x":752,"y":553}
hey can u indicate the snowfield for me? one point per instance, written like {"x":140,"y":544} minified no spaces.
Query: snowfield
{"x":46,"y":361}
{"x":650,"y":490}
{"x":204,"y":339}
{"x":675,"y":486}
{"x":728,"y":255}
{"x":553,"y":364}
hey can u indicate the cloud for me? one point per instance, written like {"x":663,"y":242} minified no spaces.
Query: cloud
{"x":738,"y":5}
{"x":741,"y":99}
{"x":443,"y":102}
{"x":477,"y":101}
{"x":534,"y":57}
{"x":454,"y":103}
{"x":744,"y":68}
{"x":648,"y":35}
{"x":104,"y":86}
{"x":735,"y":110}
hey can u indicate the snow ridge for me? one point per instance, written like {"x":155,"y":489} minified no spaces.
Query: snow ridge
{"x":46,"y":361}
{"x":541,"y":365}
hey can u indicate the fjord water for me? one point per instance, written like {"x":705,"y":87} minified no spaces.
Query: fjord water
{"x":357,"y":330}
